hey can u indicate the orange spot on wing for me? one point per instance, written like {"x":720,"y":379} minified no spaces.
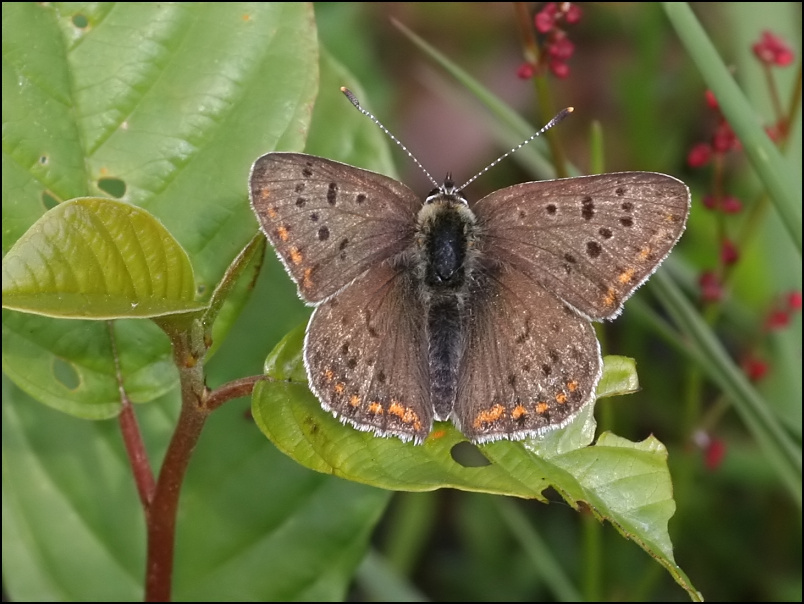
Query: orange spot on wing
{"x":561,"y":398}
{"x":354,"y":400}
{"x":626,"y":276}
{"x":282,"y":233}
{"x":396,"y":408}
{"x":339,"y":388}
{"x":541,"y":407}
{"x":572,"y":386}
{"x":489,"y":416}
{"x":296,"y":256}
{"x":405,"y":414}
{"x":307,"y":282}
{"x":519,"y":412}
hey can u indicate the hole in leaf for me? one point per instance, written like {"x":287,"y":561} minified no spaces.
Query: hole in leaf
{"x":49,"y":200}
{"x":113,"y":186}
{"x":468,"y":455}
{"x":200,"y":289}
{"x":80,"y":21}
{"x":44,"y":159}
{"x":66,"y":374}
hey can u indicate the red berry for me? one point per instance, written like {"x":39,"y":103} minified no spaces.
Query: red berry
{"x":772,"y":50}
{"x":755,"y":369}
{"x":777,"y":319}
{"x":699,"y":155}
{"x":711,"y":289}
{"x":728,"y":252}
{"x":715,"y":452}
{"x":573,"y":14}
{"x":525,"y":71}
{"x":731,"y":205}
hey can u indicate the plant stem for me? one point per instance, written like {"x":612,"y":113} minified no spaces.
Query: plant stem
{"x":137,"y":456}
{"x":235,"y":389}
{"x":187,"y":337}
{"x":162,"y":513}
{"x":190,"y":336}
{"x":132,"y":437}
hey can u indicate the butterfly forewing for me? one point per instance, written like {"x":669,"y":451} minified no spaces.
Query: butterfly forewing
{"x":530,"y":362}
{"x":590,"y":241}
{"x":327,"y":221}
{"x":366,"y":355}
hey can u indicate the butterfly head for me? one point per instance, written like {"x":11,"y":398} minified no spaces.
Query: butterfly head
{"x":447,"y":192}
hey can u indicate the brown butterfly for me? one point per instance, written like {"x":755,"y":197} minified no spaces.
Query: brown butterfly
{"x":478,"y":313}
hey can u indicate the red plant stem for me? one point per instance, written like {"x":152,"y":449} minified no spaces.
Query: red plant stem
{"x":132,"y":437}
{"x":161,"y":519}
{"x":187,"y":337}
{"x":162,"y":513}
{"x":137,"y":456}
{"x":790,"y":115}
{"x":231,"y":390}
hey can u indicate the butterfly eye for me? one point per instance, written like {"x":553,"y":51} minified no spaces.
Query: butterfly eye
{"x":433,"y":195}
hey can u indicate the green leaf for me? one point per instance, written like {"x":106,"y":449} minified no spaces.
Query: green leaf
{"x":161,"y":106}
{"x":626,"y":483}
{"x":99,"y":259}
{"x":629,"y":485}
{"x":69,"y":365}
{"x":619,"y":377}
{"x":253,"y":525}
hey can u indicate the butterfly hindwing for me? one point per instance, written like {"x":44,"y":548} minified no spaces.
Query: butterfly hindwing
{"x":366,"y":355}
{"x":530,"y":362}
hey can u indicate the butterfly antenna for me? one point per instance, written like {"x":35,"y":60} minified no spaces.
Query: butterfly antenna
{"x":353,"y":99}
{"x":560,"y":116}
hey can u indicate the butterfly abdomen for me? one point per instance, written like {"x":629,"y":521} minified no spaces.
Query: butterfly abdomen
{"x":445,"y":257}
{"x":445,"y":339}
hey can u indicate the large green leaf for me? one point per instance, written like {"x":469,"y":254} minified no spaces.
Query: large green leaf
{"x":163,"y":106}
